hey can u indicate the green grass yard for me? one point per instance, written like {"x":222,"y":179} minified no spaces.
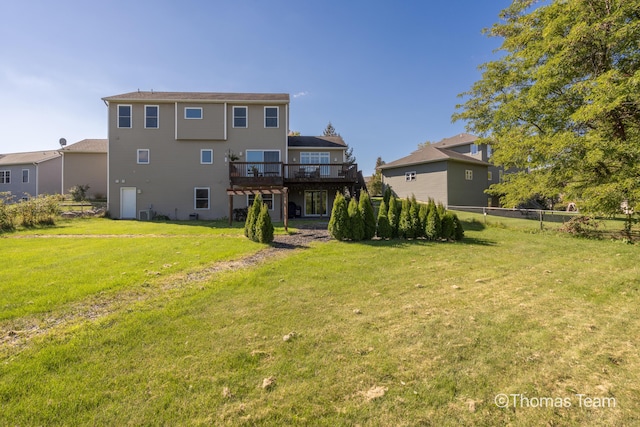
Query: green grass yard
{"x":385,"y":333}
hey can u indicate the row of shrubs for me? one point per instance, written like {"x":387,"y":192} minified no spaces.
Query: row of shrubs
{"x":40,"y":210}
{"x":406,"y":219}
{"x":258,"y":226}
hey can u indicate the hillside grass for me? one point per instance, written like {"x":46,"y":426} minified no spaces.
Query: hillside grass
{"x":381,"y":333}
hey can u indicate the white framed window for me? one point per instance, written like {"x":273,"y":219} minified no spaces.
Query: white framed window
{"x":192,"y":113}
{"x":201,"y":198}
{"x":490,"y":176}
{"x":410,"y":176}
{"x":25,"y":176}
{"x":151,"y":117}
{"x":206,"y":156}
{"x":474,"y":148}
{"x":266,"y":198}
{"x":311,"y":158}
{"x":489,"y":151}
{"x":270,"y":117}
{"x":468,"y":175}
{"x":143,"y":156}
{"x":124,"y":116}
{"x":240,"y":117}
{"x":5,"y":177}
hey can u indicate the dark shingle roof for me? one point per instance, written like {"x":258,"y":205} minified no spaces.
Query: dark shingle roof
{"x":454,"y":141}
{"x":88,"y":146}
{"x":431,"y":154}
{"x":199,"y":97}
{"x":317,"y":141}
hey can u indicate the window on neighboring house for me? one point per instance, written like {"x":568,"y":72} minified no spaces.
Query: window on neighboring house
{"x":474,"y":148}
{"x":410,"y":176}
{"x":192,"y":113}
{"x":143,"y":156}
{"x":151,"y":116}
{"x":266,"y":198}
{"x":206,"y":157}
{"x":468,"y":174}
{"x":5,"y":177}
{"x":490,"y":176}
{"x":25,"y":176}
{"x":271,"y":117}
{"x":124,"y":116}
{"x":500,"y":176}
{"x":489,"y":151}
{"x":240,"y":117}
{"x":201,"y":197}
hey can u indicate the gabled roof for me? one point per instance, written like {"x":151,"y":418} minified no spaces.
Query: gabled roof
{"x":431,"y":154}
{"x":199,"y":97}
{"x":455,"y":141}
{"x":316,"y":142}
{"x":27,"y":158}
{"x":87,"y":146}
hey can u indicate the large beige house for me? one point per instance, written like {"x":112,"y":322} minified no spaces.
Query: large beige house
{"x":455,"y":172}
{"x":190,"y":155}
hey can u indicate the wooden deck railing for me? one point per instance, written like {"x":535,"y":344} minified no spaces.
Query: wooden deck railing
{"x":275,"y":173}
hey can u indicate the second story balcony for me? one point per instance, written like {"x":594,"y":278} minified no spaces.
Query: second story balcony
{"x":254,"y":174}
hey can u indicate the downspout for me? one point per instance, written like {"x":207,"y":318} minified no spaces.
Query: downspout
{"x":62,"y":178}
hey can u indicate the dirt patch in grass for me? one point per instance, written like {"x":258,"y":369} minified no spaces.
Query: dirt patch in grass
{"x":16,"y":333}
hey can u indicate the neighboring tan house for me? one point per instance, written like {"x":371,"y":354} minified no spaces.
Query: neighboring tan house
{"x":201,"y":155}
{"x":30,"y":174}
{"x":455,"y":172}
{"x":85,"y":163}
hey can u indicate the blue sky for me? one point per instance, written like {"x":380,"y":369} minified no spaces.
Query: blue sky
{"x":385,"y":74}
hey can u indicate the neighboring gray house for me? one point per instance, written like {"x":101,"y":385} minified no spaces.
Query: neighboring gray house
{"x":455,"y":172}
{"x":85,"y":163}
{"x":30,"y":174}
{"x":202,"y":155}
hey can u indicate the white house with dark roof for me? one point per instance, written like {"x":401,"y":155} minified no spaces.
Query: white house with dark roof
{"x":455,"y":172}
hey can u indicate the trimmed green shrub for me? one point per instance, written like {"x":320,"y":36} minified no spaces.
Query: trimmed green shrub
{"x":356,"y":221}
{"x":384,"y":228}
{"x":404,"y":224}
{"x":433,"y":227}
{"x":264,"y":226}
{"x":367,"y":215}
{"x":386,"y":197}
{"x":423,"y":211}
{"x":252,"y":217}
{"x":339,"y":223}
{"x":414,"y":217}
{"x":448,"y":226}
{"x":393,"y":216}
{"x":458,"y":232}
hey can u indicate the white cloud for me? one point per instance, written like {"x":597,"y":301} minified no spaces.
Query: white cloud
{"x":299,"y":94}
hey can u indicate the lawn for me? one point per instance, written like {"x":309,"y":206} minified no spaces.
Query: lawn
{"x":378,"y":333}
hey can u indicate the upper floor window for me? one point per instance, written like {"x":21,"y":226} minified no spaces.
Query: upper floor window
{"x":124,"y":116}
{"x":201,"y":197}
{"x":468,"y":174}
{"x":410,"y":176}
{"x":5,"y":177}
{"x":490,"y":176}
{"x":474,"y":148}
{"x":25,"y":176}
{"x":143,"y":156}
{"x":193,"y":113}
{"x":271,"y":117}
{"x":489,"y":151}
{"x":206,"y":157}
{"x":240,"y":117}
{"x":151,"y":116}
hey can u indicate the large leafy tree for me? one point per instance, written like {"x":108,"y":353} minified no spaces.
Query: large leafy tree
{"x":562,"y":103}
